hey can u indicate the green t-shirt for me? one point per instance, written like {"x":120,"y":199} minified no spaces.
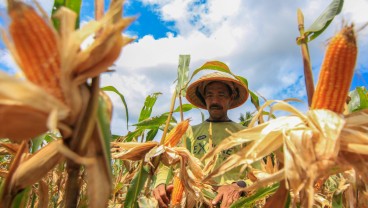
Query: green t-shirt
{"x":199,"y":144}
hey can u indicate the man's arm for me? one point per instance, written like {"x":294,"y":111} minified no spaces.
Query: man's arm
{"x":228,"y":194}
{"x":161,"y":192}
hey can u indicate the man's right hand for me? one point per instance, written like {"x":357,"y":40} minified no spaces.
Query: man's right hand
{"x":162,"y":194}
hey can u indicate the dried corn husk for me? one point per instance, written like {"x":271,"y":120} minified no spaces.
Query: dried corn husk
{"x":36,"y":166}
{"x":42,"y":111}
{"x":76,"y":67}
{"x":315,"y":145}
{"x":190,"y":168}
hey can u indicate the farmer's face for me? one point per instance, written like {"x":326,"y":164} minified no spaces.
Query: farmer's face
{"x":218,"y":100}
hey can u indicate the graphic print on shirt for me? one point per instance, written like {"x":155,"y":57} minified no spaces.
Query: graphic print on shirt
{"x":201,"y":147}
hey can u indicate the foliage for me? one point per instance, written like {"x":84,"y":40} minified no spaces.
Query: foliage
{"x":132,"y":179}
{"x":358,"y":99}
{"x":74,"y":5}
{"x":113,"y":89}
{"x":259,"y":194}
{"x":324,"y":20}
{"x":245,"y":119}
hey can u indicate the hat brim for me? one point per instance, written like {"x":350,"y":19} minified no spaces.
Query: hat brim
{"x":193,"y":97}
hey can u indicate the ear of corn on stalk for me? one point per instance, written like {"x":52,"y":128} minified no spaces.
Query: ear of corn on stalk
{"x":171,"y":140}
{"x":174,"y":136}
{"x":35,"y":43}
{"x":336,"y":72}
{"x":177,"y":193}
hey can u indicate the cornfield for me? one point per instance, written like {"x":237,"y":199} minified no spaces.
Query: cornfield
{"x":57,"y":149}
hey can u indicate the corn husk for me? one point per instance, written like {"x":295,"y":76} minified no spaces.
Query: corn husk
{"x":190,"y":167}
{"x":76,"y":67}
{"x":98,"y":174}
{"x":317,"y":144}
{"x":36,"y":166}
{"x":30,"y":110}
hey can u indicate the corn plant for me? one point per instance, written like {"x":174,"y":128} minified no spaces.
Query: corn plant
{"x":325,"y":144}
{"x":307,"y":159}
{"x":57,"y":96}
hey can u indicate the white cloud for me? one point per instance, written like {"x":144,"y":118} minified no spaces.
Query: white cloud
{"x":256,"y":38}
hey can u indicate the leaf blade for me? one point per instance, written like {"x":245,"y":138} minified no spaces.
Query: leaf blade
{"x":113,"y":89}
{"x":322,"y":22}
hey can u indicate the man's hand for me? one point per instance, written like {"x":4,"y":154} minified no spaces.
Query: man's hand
{"x":227,"y":194}
{"x":162,"y":195}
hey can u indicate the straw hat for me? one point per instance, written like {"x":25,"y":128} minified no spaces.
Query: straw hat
{"x":195,"y":91}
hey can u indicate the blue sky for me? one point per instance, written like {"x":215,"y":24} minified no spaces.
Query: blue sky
{"x":256,"y":38}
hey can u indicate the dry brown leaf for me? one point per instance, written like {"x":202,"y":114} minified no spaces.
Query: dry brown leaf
{"x":99,"y":55}
{"x":36,"y":167}
{"x":261,"y":183}
{"x":6,"y":196}
{"x":279,"y":198}
{"x":9,"y":148}
{"x":3,"y":173}
{"x":43,"y":194}
{"x":311,"y":147}
{"x":98,"y":177}
{"x":266,"y":138}
{"x":329,"y":126}
{"x":21,"y":122}
{"x":133,"y":150}
{"x":105,"y":49}
{"x":23,"y":92}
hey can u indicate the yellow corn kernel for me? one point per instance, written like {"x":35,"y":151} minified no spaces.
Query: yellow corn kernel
{"x":336,"y":72}
{"x":36,"y":46}
{"x":177,"y":193}
{"x":174,"y":136}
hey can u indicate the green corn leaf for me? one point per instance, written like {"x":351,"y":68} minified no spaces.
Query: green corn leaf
{"x":359,"y":99}
{"x":183,"y":73}
{"x":113,"y":89}
{"x":22,"y":198}
{"x":74,"y":5}
{"x":260,"y":194}
{"x":104,"y":126}
{"x":134,"y":134}
{"x":212,"y":65}
{"x":288,"y":201}
{"x":253,"y":97}
{"x":135,"y":187}
{"x":152,"y":122}
{"x":337,"y":201}
{"x":322,"y":22}
{"x":151,"y":134}
{"x":185,"y":108}
{"x":36,"y":142}
{"x":57,"y":5}
{"x":148,"y":105}
{"x":209,"y":194}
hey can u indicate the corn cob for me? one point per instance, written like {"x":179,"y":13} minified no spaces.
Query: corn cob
{"x":336,"y":72}
{"x":36,"y":46}
{"x":174,"y":136}
{"x":177,"y":193}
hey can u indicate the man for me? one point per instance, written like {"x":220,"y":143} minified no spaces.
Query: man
{"x":217,"y":93}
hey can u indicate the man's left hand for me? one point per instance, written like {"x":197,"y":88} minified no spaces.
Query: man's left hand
{"x":227,"y":194}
